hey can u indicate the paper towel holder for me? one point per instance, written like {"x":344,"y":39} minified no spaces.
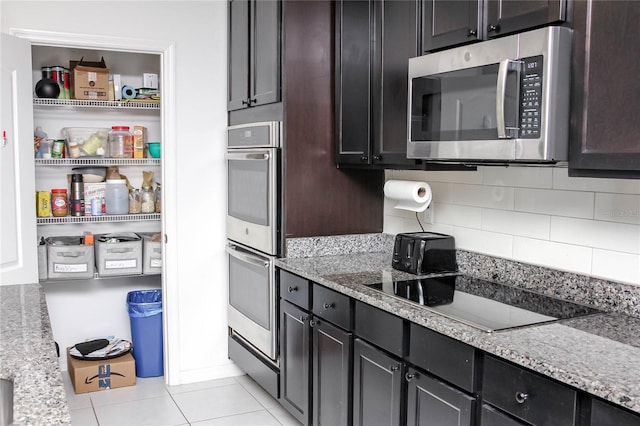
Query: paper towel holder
{"x":408,"y":195}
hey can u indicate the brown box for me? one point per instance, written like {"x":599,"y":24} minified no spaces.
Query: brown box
{"x":89,"y":80}
{"x":90,"y":376}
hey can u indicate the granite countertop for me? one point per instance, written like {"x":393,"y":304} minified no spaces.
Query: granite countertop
{"x":28,"y":357}
{"x":597,"y":354}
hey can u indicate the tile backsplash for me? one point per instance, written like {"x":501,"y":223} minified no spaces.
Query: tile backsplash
{"x":535,"y":215}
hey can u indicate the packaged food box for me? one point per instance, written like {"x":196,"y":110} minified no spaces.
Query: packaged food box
{"x":69,"y":257}
{"x":90,"y":376}
{"x":85,"y":141}
{"x":93,"y":191}
{"x":118,"y":254}
{"x":151,"y":253}
{"x":90,"y":80}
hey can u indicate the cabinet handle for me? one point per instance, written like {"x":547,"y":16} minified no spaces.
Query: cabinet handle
{"x":394,"y":367}
{"x":328,"y":305}
{"x":292,"y":289}
{"x":253,"y":101}
{"x":303,"y":318}
{"x":246,"y":102}
{"x":521,"y":397}
{"x":472,"y":33}
{"x":364,"y":158}
{"x":495,"y":28}
{"x":410,"y":376}
{"x":377,"y":158}
{"x":313,"y":323}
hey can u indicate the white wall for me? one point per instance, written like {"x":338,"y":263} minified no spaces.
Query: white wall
{"x":535,"y":215}
{"x":198,"y":276}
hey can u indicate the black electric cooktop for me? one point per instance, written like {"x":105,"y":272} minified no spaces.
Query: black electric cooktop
{"x":482,"y":304}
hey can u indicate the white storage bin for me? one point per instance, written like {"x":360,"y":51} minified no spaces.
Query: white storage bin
{"x":69,"y":258}
{"x":151,"y":254}
{"x":123,"y":257}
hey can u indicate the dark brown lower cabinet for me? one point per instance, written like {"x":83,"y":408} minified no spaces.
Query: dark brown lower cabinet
{"x":492,"y":417}
{"x":294,"y":361}
{"x":430,"y":402}
{"x":377,"y":385}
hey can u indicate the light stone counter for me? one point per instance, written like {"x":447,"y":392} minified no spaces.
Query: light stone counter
{"x":28,"y":357}
{"x":598,"y":354}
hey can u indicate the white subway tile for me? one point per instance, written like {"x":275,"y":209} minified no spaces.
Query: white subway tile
{"x":552,"y":255}
{"x":465,"y":176}
{"x":525,"y":177}
{"x":616,"y":266}
{"x":491,"y":243}
{"x":395,"y":225}
{"x":516,"y":223}
{"x":595,"y":233}
{"x":617,"y":208}
{"x":557,"y":203}
{"x":442,"y":192}
{"x":440,"y":228}
{"x":493,"y":197}
{"x":561,"y":180}
{"x":453,"y":214}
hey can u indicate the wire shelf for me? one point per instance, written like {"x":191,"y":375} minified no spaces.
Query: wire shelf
{"x":97,"y":161}
{"x":126,"y":104}
{"x":98,"y":219}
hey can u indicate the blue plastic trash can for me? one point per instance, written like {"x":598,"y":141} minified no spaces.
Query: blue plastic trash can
{"x":145,"y":315}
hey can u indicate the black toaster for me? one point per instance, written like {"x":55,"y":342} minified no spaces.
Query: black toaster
{"x":423,"y":253}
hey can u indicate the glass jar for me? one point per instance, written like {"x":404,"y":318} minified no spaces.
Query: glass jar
{"x":135,"y":203}
{"x":120,"y":142}
{"x":59,"y":202}
{"x":148,"y":198}
{"x":158,"y":199}
{"x":116,"y":197}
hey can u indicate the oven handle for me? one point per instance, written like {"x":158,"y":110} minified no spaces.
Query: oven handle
{"x":501,"y":89}
{"x":246,"y":257}
{"x":252,"y":156}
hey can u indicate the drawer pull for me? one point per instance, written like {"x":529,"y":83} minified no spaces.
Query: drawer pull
{"x":521,"y":397}
{"x":313,"y":323}
{"x":410,"y":376}
{"x":328,"y":305}
{"x":292,"y":289}
{"x":394,"y":367}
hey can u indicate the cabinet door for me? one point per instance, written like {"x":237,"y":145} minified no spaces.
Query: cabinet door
{"x":238,"y":54}
{"x":604,"y":103}
{"x":603,"y":413}
{"x":432,"y":403}
{"x":448,"y":23}
{"x":294,"y":357}
{"x":395,"y":41}
{"x":353,"y":81}
{"x":377,"y":381}
{"x":265,"y":52}
{"x":506,"y":16}
{"x":18,"y":241}
{"x":331,"y":374}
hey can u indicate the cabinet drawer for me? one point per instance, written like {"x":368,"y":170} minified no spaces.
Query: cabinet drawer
{"x":380,"y":328}
{"x":442,"y":356}
{"x":527,"y":395}
{"x":492,"y":417}
{"x":295,"y":289}
{"x":332,"y":306}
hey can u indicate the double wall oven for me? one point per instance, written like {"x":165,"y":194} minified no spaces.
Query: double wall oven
{"x":253,"y":233}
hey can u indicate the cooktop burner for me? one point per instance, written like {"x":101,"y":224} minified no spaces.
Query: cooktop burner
{"x":483,"y":304}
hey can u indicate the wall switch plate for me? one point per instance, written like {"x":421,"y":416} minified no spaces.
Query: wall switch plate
{"x":428,"y":215}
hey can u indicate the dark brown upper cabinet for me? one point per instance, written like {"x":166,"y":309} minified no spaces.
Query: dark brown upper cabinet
{"x":374,"y":41}
{"x":604,"y":131}
{"x":448,"y":23}
{"x":254,"y":53}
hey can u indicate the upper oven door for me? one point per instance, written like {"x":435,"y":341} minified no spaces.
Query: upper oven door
{"x":252,"y":191}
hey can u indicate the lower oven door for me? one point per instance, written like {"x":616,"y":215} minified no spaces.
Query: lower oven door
{"x":252,"y":298}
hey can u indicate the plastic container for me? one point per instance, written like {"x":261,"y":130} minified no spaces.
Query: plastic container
{"x":154,"y":149}
{"x":145,"y":316}
{"x":116,"y":197}
{"x":86,"y":141}
{"x":120,"y":142}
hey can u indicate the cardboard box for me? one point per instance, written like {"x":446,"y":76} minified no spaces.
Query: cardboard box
{"x":90,"y":80}
{"x":91,"y":376}
{"x":93,"y":191}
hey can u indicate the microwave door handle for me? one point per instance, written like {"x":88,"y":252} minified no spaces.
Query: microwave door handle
{"x":245,"y":257}
{"x":252,"y":156}
{"x":501,"y":91}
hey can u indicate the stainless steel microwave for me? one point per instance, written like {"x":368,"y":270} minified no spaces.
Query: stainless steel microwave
{"x":503,"y":101}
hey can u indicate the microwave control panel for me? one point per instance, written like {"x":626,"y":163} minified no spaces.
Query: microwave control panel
{"x":531,"y":97}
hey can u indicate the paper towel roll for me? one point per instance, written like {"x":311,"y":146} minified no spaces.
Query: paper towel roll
{"x":408,"y":194}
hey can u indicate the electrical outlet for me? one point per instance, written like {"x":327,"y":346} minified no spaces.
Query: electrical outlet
{"x":428,"y":214}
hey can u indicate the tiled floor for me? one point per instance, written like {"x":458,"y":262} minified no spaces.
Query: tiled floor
{"x":233,"y":401}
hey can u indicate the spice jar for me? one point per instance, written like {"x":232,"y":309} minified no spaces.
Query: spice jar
{"x":59,"y":202}
{"x":148,"y":198}
{"x":120,"y":141}
{"x":135,"y":203}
